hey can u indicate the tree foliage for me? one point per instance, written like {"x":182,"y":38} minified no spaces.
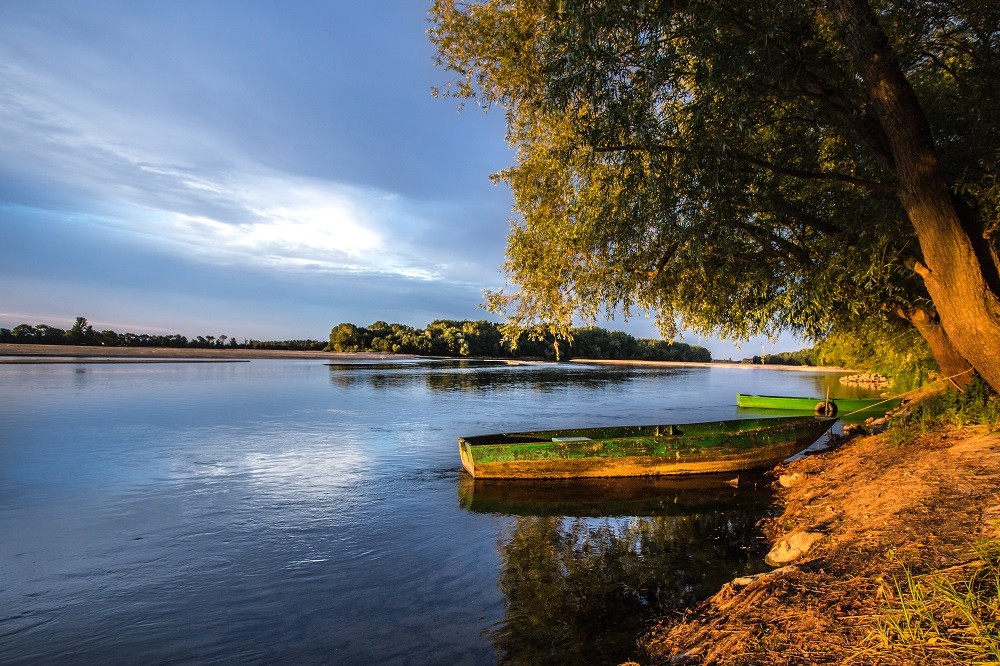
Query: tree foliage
{"x":82,"y":333}
{"x":446,"y":337}
{"x":726,"y":165}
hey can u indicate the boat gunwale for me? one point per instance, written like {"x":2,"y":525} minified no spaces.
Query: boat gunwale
{"x":545,"y":437}
{"x":858,"y":403}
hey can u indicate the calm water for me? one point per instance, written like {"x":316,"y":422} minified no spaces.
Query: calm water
{"x":295,"y":511}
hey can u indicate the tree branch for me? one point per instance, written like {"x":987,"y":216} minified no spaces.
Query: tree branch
{"x":815,"y":175}
{"x":790,"y":249}
{"x":633,"y":147}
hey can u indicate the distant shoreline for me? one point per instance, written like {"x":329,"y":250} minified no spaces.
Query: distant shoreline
{"x":11,"y":353}
{"x":16,"y":353}
{"x":719,"y":364}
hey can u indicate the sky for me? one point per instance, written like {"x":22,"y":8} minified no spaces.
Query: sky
{"x":246,"y":168}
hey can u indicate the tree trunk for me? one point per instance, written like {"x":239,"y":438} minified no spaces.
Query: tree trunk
{"x":951,"y":363}
{"x":957,"y":274}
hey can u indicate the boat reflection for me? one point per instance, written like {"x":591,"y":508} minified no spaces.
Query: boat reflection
{"x":623,"y":496}
{"x":588,"y":565}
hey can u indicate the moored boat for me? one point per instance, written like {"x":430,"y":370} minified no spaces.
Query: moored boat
{"x":647,"y":450}
{"x":822,"y":406}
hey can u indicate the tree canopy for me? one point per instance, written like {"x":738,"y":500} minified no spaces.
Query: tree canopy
{"x":446,"y":337}
{"x":83,"y":333}
{"x":746,"y":167}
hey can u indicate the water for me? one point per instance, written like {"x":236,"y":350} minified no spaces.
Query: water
{"x":299,"y":512}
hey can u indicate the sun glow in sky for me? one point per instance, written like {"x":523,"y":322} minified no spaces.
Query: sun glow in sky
{"x":255,"y":169}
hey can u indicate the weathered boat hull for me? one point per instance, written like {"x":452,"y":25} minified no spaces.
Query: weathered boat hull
{"x":825,"y":406}
{"x":653,"y":450}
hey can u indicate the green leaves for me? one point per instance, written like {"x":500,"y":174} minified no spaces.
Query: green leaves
{"x":715,"y":163}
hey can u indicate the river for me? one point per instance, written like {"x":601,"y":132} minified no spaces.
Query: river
{"x":306,"y":512}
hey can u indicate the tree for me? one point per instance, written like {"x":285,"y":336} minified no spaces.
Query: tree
{"x":344,"y":338}
{"x":745,"y":167}
{"x":82,"y":333}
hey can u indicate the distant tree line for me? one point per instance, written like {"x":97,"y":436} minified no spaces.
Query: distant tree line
{"x":82,"y":333}
{"x":445,"y":337}
{"x":808,"y":356}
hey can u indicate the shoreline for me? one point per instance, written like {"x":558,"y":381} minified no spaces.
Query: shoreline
{"x":717,"y":364}
{"x":873,"y":513}
{"x":17,"y":353}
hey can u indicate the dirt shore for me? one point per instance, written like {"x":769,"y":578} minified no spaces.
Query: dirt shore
{"x":880,"y":508}
{"x":18,"y":352}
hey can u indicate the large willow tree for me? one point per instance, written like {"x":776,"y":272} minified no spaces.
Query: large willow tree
{"x":746,"y":166}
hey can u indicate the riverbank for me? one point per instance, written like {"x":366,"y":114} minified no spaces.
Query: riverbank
{"x":716,"y":364}
{"x":43,"y":352}
{"x":881,"y":508}
{"x":20,"y":353}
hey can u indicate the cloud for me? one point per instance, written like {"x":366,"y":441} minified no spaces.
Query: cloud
{"x":290,"y":223}
{"x":241,"y":172}
{"x":240,"y":212}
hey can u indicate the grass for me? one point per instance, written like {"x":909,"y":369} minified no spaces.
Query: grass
{"x":977,"y":404}
{"x":950,"y":616}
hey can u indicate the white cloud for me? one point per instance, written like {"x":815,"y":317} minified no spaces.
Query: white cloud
{"x":207,"y":199}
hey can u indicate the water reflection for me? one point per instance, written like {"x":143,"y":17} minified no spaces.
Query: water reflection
{"x":820,"y":385}
{"x":581,"y":590}
{"x":645,"y":496}
{"x":472,"y":376}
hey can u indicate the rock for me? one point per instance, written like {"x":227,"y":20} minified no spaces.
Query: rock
{"x":688,"y":657}
{"x":789,"y":480}
{"x":743,"y":581}
{"x":791,"y":547}
{"x":872,"y":379}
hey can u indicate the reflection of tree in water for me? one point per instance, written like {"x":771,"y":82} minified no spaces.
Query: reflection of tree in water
{"x":542,"y":380}
{"x":477,"y":377}
{"x":580,"y":592}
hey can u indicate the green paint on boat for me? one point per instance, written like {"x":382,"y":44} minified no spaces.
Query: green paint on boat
{"x":840,"y":406}
{"x":650,"y":450}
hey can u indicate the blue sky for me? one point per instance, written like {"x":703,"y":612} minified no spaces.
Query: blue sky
{"x":255,"y":169}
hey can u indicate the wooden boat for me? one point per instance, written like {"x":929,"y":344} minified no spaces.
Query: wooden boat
{"x":822,"y":406}
{"x":650,"y":450}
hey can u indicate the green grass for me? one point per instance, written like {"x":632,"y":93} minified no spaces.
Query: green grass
{"x":977,"y":404}
{"x":950,"y":616}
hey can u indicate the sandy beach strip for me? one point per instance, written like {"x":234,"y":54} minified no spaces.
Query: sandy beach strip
{"x":22,"y":354}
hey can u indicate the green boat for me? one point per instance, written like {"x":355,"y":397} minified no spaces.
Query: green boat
{"x":822,"y":406}
{"x":648,"y":450}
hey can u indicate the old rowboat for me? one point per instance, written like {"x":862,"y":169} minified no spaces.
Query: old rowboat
{"x":651,"y":450}
{"x":823,"y":406}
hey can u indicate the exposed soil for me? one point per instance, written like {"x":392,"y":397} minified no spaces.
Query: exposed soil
{"x":881,"y":508}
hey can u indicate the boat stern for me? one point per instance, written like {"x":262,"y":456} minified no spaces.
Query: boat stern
{"x":466,"y":454}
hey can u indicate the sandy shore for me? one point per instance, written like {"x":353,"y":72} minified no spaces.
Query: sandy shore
{"x":18,"y":353}
{"x":718,"y":364}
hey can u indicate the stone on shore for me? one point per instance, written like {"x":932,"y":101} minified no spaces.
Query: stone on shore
{"x":792,"y":547}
